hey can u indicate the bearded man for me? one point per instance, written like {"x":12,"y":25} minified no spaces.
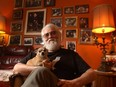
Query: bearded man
{"x":70,"y":71}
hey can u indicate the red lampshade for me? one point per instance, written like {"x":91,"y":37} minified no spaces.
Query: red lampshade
{"x":2,"y":24}
{"x":103,"y":19}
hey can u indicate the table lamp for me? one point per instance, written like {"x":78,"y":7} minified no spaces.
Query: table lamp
{"x":103,"y":22}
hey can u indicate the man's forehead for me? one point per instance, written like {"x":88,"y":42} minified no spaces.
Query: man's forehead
{"x":48,"y":30}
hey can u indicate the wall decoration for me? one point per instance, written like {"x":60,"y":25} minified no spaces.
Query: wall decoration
{"x":35,"y":20}
{"x":57,"y":21}
{"x":85,"y":36}
{"x":80,"y":9}
{"x":49,"y":3}
{"x":38,"y":40}
{"x":83,"y":22}
{"x":71,"y":45}
{"x":56,"y":11}
{"x":72,"y":33}
{"x":16,"y":26}
{"x":28,"y":41}
{"x":69,"y":10}
{"x":17,"y":14}
{"x":70,"y":21}
{"x":15,"y":40}
{"x":18,"y":4}
{"x":33,"y":3}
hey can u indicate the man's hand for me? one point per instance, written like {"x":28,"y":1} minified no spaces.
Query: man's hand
{"x":47,"y":64}
{"x":69,"y":83}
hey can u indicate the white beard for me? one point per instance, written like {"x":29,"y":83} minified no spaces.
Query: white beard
{"x":52,"y":45}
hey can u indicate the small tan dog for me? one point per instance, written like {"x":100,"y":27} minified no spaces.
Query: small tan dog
{"x":40,"y":57}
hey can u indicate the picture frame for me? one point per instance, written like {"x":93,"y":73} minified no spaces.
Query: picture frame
{"x":15,"y":40}
{"x":38,"y":40}
{"x":48,"y":3}
{"x":18,"y":4}
{"x":71,"y":33}
{"x":69,"y":10}
{"x":56,"y":12}
{"x":17,"y":14}
{"x":84,"y":22}
{"x":70,"y":21}
{"x":85,"y":36}
{"x":57,"y":21}
{"x":71,"y":45}
{"x":35,"y":21}
{"x":81,"y":9}
{"x":16,"y":26}
{"x":28,"y":41}
{"x":33,"y":3}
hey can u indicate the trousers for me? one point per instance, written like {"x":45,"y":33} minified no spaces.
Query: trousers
{"x":41,"y":77}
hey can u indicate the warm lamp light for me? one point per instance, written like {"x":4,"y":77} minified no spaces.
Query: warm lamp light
{"x":2,"y":24}
{"x":103,"y":22}
{"x":103,"y":19}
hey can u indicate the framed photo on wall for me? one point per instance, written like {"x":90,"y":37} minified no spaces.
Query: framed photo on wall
{"x":18,"y":4}
{"x":15,"y":40}
{"x":81,"y":9}
{"x":35,"y":20}
{"x":70,"y":21}
{"x":28,"y":41}
{"x":57,"y":21}
{"x":16,"y":26}
{"x":84,"y":22}
{"x":85,"y":36}
{"x":17,"y":14}
{"x":49,"y":3}
{"x":71,"y":33}
{"x":33,"y":3}
{"x":56,"y":11}
{"x":71,"y":45}
{"x":38,"y":40}
{"x":69,"y":10}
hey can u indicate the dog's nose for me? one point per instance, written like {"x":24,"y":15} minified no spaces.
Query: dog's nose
{"x":43,"y":53}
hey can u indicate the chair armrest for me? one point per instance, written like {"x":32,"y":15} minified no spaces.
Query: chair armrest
{"x":16,"y":80}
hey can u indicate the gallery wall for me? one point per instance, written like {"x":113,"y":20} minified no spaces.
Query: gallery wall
{"x":90,"y":53}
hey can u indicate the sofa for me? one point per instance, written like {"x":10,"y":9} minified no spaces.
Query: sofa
{"x":9,"y":56}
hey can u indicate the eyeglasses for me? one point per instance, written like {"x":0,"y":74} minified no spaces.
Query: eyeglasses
{"x":52,"y":33}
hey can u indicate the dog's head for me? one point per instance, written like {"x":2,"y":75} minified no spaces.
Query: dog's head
{"x":42,"y":52}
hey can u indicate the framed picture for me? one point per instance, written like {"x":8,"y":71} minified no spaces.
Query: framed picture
{"x":38,"y":40}
{"x":70,"y":21}
{"x":71,"y":33}
{"x":18,"y":4}
{"x":33,"y":3}
{"x":16,"y":26}
{"x":85,"y":36}
{"x":69,"y":10}
{"x":1,"y":40}
{"x":71,"y":45}
{"x":35,"y":20}
{"x":15,"y":40}
{"x":28,"y":41}
{"x":83,"y":22}
{"x":80,"y":9}
{"x":57,"y":21}
{"x":56,"y":11}
{"x":49,"y":3}
{"x":17,"y":14}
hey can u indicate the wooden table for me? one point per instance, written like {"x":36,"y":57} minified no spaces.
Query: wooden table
{"x":105,"y":79}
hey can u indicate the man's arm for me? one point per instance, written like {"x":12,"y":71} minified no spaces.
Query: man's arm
{"x":23,"y":69}
{"x":84,"y":79}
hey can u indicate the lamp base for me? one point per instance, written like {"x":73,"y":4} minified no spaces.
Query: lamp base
{"x":106,"y":66}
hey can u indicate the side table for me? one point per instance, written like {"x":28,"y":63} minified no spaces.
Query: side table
{"x":105,"y":79}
